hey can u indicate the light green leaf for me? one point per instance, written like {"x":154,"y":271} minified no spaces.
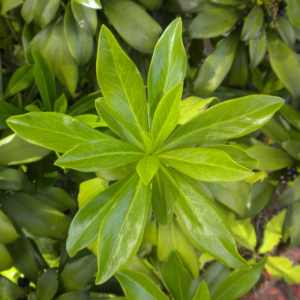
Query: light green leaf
{"x":223,"y":121}
{"x":293,"y":148}
{"x":90,"y":3}
{"x":294,"y":221}
{"x":204,"y":225}
{"x":6,"y":261}
{"x":168,"y":65}
{"x":253,"y":23}
{"x":8,"y":232}
{"x":202,"y":292}
{"x":291,"y":115}
{"x":119,"y":241}
{"x":147,"y":167}
{"x":61,"y":104}
{"x":216,"y":66}
{"x":44,"y":11}
{"x":47,"y":285}
{"x":54,"y":131}
{"x":258,"y":48}
{"x":9,"y":4}
{"x":166,"y":116}
{"x":137,"y":286}
{"x":205,"y":164}
{"x":286,"y":31}
{"x":293,"y":10}
{"x":273,"y":232}
{"x":127,"y":98}
{"x":7,"y":110}
{"x":213,"y":22}
{"x":26,"y":11}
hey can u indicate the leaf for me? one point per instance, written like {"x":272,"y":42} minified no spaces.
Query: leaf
{"x":213,"y":22}
{"x":224,"y":121}
{"x":8,"y":232}
{"x":9,"y":4}
{"x":11,"y":179}
{"x":270,"y":159}
{"x":90,"y":3}
{"x":205,"y":164}
{"x":54,"y":131}
{"x":239,"y":282}
{"x":10,"y":289}
{"x":176,"y":277}
{"x":284,"y":63}
{"x":244,"y":233}
{"x":272,"y":233}
{"x":151,"y":5}
{"x":292,"y":148}
{"x":16,"y":151}
{"x":253,"y":23}
{"x":202,"y":292}
{"x":294,"y":225}
{"x":20,"y":81}
{"x":293,"y":10}
{"x":7,"y":110}
{"x":258,"y":47}
{"x":216,"y":66}
{"x":137,"y":286}
{"x":44,"y":11}
{"x":132,"y":22}
{"x":47,"y":285}
{"x":6,"y":261}
{"x":80,"y":295}
{"x":171,"y":238}
{"x":26,"y":11}
{"x":61,"y":104}
{"x":99,"y":155}
{"x":286,"y":31}
{"x":204,"y":225}
{"x":147,"y":167}
{"x":120,"y":241}
{"x":45,"y":80}
{"x":127,"y":98}
{"x":168,"y":65}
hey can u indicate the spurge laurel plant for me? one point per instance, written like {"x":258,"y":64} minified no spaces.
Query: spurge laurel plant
{"x":159,"y":155}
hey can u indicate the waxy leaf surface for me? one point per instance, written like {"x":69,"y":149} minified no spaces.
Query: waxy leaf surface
{"x":147,"y":167}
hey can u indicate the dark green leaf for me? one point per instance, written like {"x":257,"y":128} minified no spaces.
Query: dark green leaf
{"x":7,"y":110}
{"x":6,"y":261}
{"x":290,"y":114}
{"x":286,"y":31}
{"x":10,"y":289}
{"x":291,"y":194}
{"x":47,"y":285}
{"x":294,"y":225}
{"x":8,"y":232}
{"x":11,"y":179}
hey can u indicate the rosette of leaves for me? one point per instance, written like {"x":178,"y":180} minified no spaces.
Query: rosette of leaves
{"x":159,"y":155}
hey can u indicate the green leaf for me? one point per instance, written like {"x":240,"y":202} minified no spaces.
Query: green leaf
{"x":127,"y":98}
{"x":100,"y":155}
{"x":258,"y":48}
{"x":9,"y":4}
{"x":286,"y":31}
{"x":90,"y":3}
{"x":292,"y":148}
{"x":147,"y":167}
{"x":270,"y":159}
{"x":176,"y":277}
{"x":6,"y":261}
{"x":61,"y":104}
{"x":239,"y":282}
{"x":45,"y":80}
{"x":253,"y":23}
{"x":7,"y":110}
{"x":47,"y":285}
{"x":8,"y":232}
{"x":285,"y":64}
{"x":44,"y":11}
{"x":224,"y":121}
{"x":166,"y":116}
{"x":291,"y":115}
{"x":213,"y":22}
{"x":54,"y":131}
{"x":137,"y":286}
{"x":11,"y":179}
{"x":16,"y":151}
{"x":294,"y":228}
{"x":291,"y":194}
{"x":293,"y":10}
{"x":201,"y":221}
{"x":272,"y":233}
{"x":216,"y":66}
{"x":205,"y":164}
{"x":26,"y":11}
{"x":133,"y":23}
{"x":131,"y":211}
{"x":10,"y":289}
{"x":202,"y":292}
{"x":152,"y":4}
{"x":80,"y":295}
{"x":168,"y":65}
{"x":20,"y":80}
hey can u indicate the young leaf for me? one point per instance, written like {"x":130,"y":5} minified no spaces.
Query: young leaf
{"x":100,"y":155}
{"x":120,"y":240}
{"x":147,"y":167}
{"x":168,"y":65}
{"x":166,"y":116}
{"x":127,"y":98}
{"x":202,"y":292}
{"x":61,"y":104}
{"x":54,"y":131}
{"x":201,"y":221}
{"x":205,"y":164}
{"x":137,"y":286}
{"x":223,"y":121}
{"x":253,"y":23}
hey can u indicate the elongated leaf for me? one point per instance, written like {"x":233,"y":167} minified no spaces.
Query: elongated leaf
{"x":44,"y":11}
{"x":291,"y":194}
{"x":45,"y":80}
{"x":137,"y":286}
{"x":284,"y":63}
{"x":90,"y":3}
{"x":8,"y":232}
{"x":294,"y":228}
{"x":6,"y":261}
{"x":201,"y":221}
{"x":9,"y":4}
{"x":293,"y":10}
{"x":11,"y":179}
{"x":26,"y":11}
{"x":168,"y":65}
{"x":127,"y":98}
{"x":85,"y":226}
{"x":216,"y":66}
{"x":213,"y":22}
{"x":61,"y":104}
{"x":176,"y":277}
{"x":293,"y":148}
{"x":166,"y":116}
{"x":205,"y":164}
{"x":147,"y":167}
{"x":47,"y":285}
{"x":253,"y":23}
{"x":290,"y":114}
{"x":286,"y":31}
{"x":54,"y":131}
{"x":119,"y":241}
{"x":224,"y":121}
{"x":202,"y":292}
{"x":258,"y":48}
{"x":99,"y":155}
{"x":7,"y":110}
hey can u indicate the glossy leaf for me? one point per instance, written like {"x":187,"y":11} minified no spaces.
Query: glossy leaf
{"x":293,"y":148}
{"x":286,"y":31}
{"x":127,"y":98}
{"x":90,"y":3}
{"x":147,"y":167}
{"x":253,"y":23}
{"x":291,"y":115}
{"x":7,"y":110}
{"x":293,"y":10}
{"x":213,"y":22}
{"x":47,"y":285}
{"x":224,"y":121}
{"x":44,"y":11}
{"x":205,"y":164}
{"x":202,"y":292}
{"x":8,"y":232}
{"x":11,"y":179}
{"x":137,"y":286}
{"x":54,"y":131}
{"x":168,"y":65}
{"x":204,"y":225}
{"x":258,"y":48}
